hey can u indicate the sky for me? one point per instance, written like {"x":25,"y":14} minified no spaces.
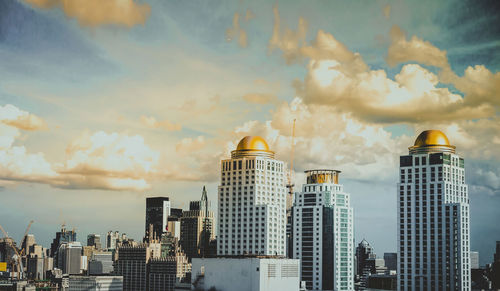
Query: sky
{"x":103,"y":103}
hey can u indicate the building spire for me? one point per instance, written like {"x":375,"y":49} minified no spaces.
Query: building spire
{"x":204,"y":194}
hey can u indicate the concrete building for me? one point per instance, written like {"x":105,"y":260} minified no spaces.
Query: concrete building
{"x":112,"y":238}
{"x":157,"y":213}
{"x":323,"y":232}
{"x":197,"y":228}
{"x":94,"y":240}
{"x":433,"y":217}
{"x":474,"y":260}
{"x":96,"y":283}
{"x":391,"y":261}
{"x":252,"y":201}
{"x":101,"y":263}
{"x":132,"y":264}
{"x":35,"y":262}
{"x":69,"y":258}
{"x":245,"y":274}
{"x":382,"y":282}
{"x":61,"y":237}
{"x":364,"y":251}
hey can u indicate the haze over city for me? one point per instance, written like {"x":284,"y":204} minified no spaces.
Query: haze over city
{"x":100,"y":110}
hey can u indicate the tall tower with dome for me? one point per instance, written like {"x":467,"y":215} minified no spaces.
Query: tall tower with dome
{"x":252,"y":201}
{"x":433,"y":217}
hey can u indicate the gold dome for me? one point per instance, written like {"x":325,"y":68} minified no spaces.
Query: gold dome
{"x":252,"y":143}
{"x":431,"y":137}
{"x":431,"y":141}
{"x":252,"y":146}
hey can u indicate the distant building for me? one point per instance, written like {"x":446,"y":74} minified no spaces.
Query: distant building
{"x":133,"y":262}
{"x":35,"y":263}
{"x":245,"y":274}
{"x":197,"y":228}
{"x":101,"y":263}
{"x":364,"y":252}
{"x":474,"y":260}
{"x":112,"y":238}
{"x":382,"y":282}
{"x":62,"y":237}
{"x":391,"y":261}
{"x":433,"y":217}
{"x":96,"y":283}
{"x":69,"y":258}
{"x":323,"y":232}
{"x":495,"y":268}
{"x":157,"y":213}
{"x":165,"y":273}
{"x":94,"y":240}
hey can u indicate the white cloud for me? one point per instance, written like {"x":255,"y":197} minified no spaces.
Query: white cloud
{"x":13,"y":116}
{"x":151,"y":122}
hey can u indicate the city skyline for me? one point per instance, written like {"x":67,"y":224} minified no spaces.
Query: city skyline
{"x":99,"y":112}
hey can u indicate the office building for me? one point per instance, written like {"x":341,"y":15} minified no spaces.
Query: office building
{"x":495,"y":268}
{"x":252,"y":201}
{"x":112,"y":238}
{"x":157,"y":213}
{"x":245,"y":274}
{"x":197,"y":228}
{"x":323,"y":232}
{"x":69,"y":258}
{"x":391,"y":261}
{"x":94,"y":240}
{"x":364,"y":251}
{"x":63,"y":236}
{"x":433,"y":217}
{"x":101,"y":263}
{"x":96,"y":283}
{"x":133,"y":262}
{"x":474,"y":260}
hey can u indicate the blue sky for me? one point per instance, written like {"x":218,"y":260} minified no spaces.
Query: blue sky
{"x":100,"y":110}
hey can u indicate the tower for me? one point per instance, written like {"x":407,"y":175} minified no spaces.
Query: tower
{"x":323,"y":232}
{"x":433,"y":217}
{"x":252,"y":201}
{"x":197,"y":227}
{"x":157,"y":213}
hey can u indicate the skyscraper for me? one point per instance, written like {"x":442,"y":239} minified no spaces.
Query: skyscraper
{"x":69,"y":258}
{"x":323,"y":232}
{"x":433,"y":217}
{"x":94,"y":240}
{"x":112,"y":239}
{"x":197,"y":227}
{"x":61,"y":237}
{"x":252,"y":201}
{"x":157,"y":213}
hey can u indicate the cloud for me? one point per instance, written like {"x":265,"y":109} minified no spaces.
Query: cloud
{"x":387,"y":11}
{"x":190,"y":145}
{"x":236,"y":32}
{"x":260,"y":98}
{"x":151,"y":122}
{"x":288,"y":41}
{"x":402,"y":50}
{"x":13,"y":116}
{"x":93,"y":13}
{"x":109,"y":161}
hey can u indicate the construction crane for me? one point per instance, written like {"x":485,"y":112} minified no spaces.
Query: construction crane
{"x":16,"y":260}
{"x":290,"y":184}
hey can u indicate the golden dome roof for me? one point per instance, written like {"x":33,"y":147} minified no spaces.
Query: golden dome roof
{"x":431,"y":137}
{"x":252,"y":143}
{"x":252,"y":146}
{"x":431,"y":141}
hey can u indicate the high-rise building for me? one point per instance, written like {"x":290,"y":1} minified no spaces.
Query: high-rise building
{"x":197,"y":228}
{"x":495,"y":268}
{"x":157,"y":213}
{"x":101,"y":263}
{"x":132,"y":264}
{"x":69,"y":258}
{"x":62,"y":237}
{"x":391,"y":261}
{"x":94,"y":240}
{"x":474,"y":260}
{"x":174,"y":222}
{"x":364,"y":251}
{"x":252,"y":201}
{"x":433,"y":217}
{"x":323,"y":232}
{"x":112,"y":238}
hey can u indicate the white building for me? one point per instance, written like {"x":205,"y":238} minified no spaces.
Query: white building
{"x":245,"y":274}
{"x":252,"y":201}
{"x":323,"y":236}
{"x":97,"y":283}
{"x":69,"y":258}
{"x":433,"y":217}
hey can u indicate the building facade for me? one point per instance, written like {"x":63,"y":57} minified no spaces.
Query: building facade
{"x":157,"y":213}
{"x":69,"y":258}
{"x":433,"y":217}
{"x":323,"y":232}
{"x":197,"y":228}
{"x":132,"y":264}
{"x":252,"y":201}
{"x":94,"y":240}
